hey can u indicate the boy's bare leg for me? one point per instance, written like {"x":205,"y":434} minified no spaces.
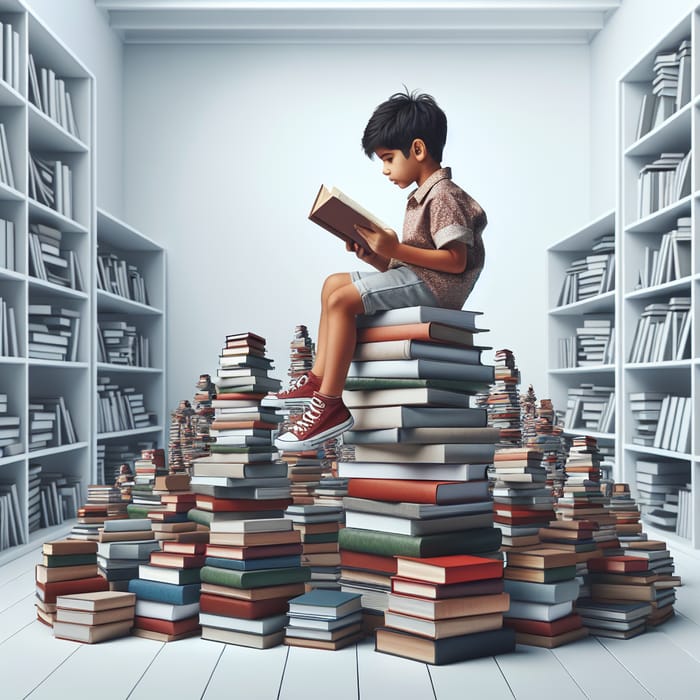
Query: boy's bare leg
{"x":332,"y":283}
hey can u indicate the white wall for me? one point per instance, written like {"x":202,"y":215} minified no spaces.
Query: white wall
{"x":226,"y":146}
{"x":86,"y":31}
{"x":627,"y":36}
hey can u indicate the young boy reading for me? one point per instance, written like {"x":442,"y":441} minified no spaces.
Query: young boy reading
{"x":436,"y":263}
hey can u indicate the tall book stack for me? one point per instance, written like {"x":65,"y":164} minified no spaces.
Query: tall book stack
{"x":543,"y":587}
{"x":446,"y":609}
{"x":67,"y":566}
{"x":593,"y":344}
{"x":169,"y":520}
{"x":522,"y":500}
{"x":528,"y":412}
{"x":324,"y":620}
{"x":94,"y":617}
{"x":167,"y":592}
{"x":103,"y":503}
{"x":122,"y":546}
{"x":624,"y":508}
{"x":181,"y":437}
{"x":205,"y":393}
{"x":503,"y":402}
{"x":548,"y":439}
{"x":147,"y":468}
{"x":418,"y":486}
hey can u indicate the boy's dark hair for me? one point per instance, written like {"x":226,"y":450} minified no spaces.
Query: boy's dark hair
{"x":402,"y":118}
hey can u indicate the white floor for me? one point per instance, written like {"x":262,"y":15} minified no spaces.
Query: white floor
{"x":663,"y":663}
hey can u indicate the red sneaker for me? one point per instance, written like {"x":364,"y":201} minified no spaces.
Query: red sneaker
{"x":300,"y":393}
{"x":324,"y":419}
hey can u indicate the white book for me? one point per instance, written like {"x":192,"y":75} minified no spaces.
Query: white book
{"x":420,"y":314}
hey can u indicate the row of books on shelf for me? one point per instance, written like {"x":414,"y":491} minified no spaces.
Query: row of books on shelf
{"x":593,"y":344}
{"x":11,"y":523}
{"x":10,"y":51}
{"x":663,"y":182}
{"x":119,"y":277}
{"x":118,"y":343}
{"x":7,"y":244}
{"x":119,"y":408}
{"x":8,"y":330}
{"x":52,"y":497}
{"x":49,"y":94}
{"x":7,"y":176}
{"x":49,"y":261}
{"x":51,"y":184}
{"x":590,"y":407}
{"x":50,"y":423}
{"x":663,"y":332}
{"x":671,"y":260}
{"x":662,"y":420}
{"x":670,"y":88}
{"x":591,"y":275}
{"x":54,"y":332}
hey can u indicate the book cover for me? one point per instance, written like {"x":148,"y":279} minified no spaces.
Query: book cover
{"x":426,"y":492}
{"x":449,"y":569}
{"x":164,"y":592}
{"x":420,"y":314}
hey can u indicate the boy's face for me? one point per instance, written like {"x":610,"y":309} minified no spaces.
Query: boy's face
{"x":400,"y":170}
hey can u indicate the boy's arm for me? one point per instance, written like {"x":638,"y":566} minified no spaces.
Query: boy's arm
{"x":450,"y":258}
{"x":377,"y":261}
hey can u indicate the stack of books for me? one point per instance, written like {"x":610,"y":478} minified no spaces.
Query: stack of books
{"x":590,"y":408}
{"x":548,"y":438}
{"x":543,"y":587}
{"x":11,"y":514}
{"x":181,"y":437}
{"x":323,"y":619}
{"x":67,"y":566}
{"x":51,"y":424}
{"x":116,"y":276}
{"x":656,"y":482}
{"x":167,"y":590}
{"x":503,"y":402}
{"x":671,"y":260}
{"x":103,"y":503}
{"x":593,"y":344}
{"x":663,"y":182}
{"x":522,"y":500}
{"x":170,"y":520}
{"x":591,"y":275}
{"x":119,"y":343}
{"x":318,"y":526}
{"x":624,"y":508}
{"x":304,"y":469}
{"x":147,"y":469}
{"x":205,"y":413}
{"x":111,"y":455}
{"x":418,"y":484}
{"x":94,"y":617}
{"x":662,"y":332}
{"x":120,"y":408}
{"x":446,"y":609}
{"x":122,"y":546}
{"x":49,"y":261}
{"x":528,"y":413}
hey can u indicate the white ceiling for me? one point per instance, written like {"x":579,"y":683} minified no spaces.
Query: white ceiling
{"x":358,"y":21}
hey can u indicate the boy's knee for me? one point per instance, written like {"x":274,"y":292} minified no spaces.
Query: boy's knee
{"x":345,"y":299}
{"x":335,"y":281}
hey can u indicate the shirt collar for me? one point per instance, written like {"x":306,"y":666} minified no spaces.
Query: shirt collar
{"x":420,"y":193}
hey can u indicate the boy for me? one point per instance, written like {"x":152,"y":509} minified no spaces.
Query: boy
{"x":436,"y":264}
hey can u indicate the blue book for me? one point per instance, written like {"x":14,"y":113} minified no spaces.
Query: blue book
{"x":325,"y":603}
{"x":254,"y":564}
{"x":165,"y":592}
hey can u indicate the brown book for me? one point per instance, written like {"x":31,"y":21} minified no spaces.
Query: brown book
{"x":323,"y":644}
{"x":543,"y":558}
{"x":449,"y":627}
{"x":162,"y":637}
{"x":359,"y":576}
{"x":254,"y":552}
{"x":434,"y":591}
{"x":620,"y":564}
{"x":243,"y":539}
{"x":562,"y":534}
{"x":91,"y":634}
{"x":63,"y":547}
{"x":367,"y":561}
{"x":226,"y":505}
{"x":417,"y":331}
{"x":315,"y":528}
{"x":169,"y":627}
{"x":177,"y":561}
{"x":247,"y":609}
{"x":174,"y":527}
{"x":456,"y":568}
{"x":101,"y":617}
{"x":540,"y":627}
{"x":48,"y":592}
{"x":606,"y":592}
{"x":449,"y":607}
{"x":96,"y":600}
{"x":323,"y":559}
{"x":191,"y":548}
{"x":573,"y":524}
{"x":50,"y":574}
{"x":287,"y":590}
{"x":334,"y":211}
{"x":126,"y":535}
{"x":551,"y":641}
{"x":172,"y":482}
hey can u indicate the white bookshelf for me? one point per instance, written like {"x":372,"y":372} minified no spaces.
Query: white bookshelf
{"x":24,"y":377}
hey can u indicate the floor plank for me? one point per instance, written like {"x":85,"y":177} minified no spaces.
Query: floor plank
{"x":254,"y":673}
{"x":182,"y":669}
{"x":17,"y":589}
{"x":450,"y":681}
{"x":533,"y":672}
{"x":335,"y":674}
{"x":683,"y":632}
{"x":19,"y":566}
{"x":120,"y":662}
{"x":17,"y":616}
{"x":383,"y":676}
{"x":658,"y":664}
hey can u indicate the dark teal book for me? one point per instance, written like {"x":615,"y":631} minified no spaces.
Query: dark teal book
{"x":165,"y":592}
{"x":320,"y":537}
{"x":135,"y":510}
{"x":250,"y":449}
{"x":207,"y":517}
{"x":475,"y":541}
{"x":368,"y":383}
{"x":52,"y":560}
{"x":254,"y":579}
{"x":254,"y":564}
{"x":325,"y":603}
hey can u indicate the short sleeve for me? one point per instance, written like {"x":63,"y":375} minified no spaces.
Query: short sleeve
{"x":450,"y":220}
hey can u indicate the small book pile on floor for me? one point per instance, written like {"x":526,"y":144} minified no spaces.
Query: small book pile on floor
{"x":167,"y":592}
{"x":503,"y":401}
{"x":94,"y":617}
{"x":122,"y":546}
{"x":446,"y":609}
{"x":324,"y":619}
{"x":543,"y":587}
{"x":147,"y":468}
{"x":418,"y":484}
{"x":522,"y":501}
{"x":103,"y":503}
{"x":67,"y":566}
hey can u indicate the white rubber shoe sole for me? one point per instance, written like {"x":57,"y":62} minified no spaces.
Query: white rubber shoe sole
{"x":288,"y":442}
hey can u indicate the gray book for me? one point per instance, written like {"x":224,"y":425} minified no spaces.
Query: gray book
{"x":422,"y":436}
{"x":419,"y":471}
{"x":416,"y":350}
{"x":423,"y":369}
{"x":549,"y":593}
{"x":420,"y":314}
{"x":409,"y":396}
{"x":127,"y":525}
{"x":438,"y":453}
{"x":408,"y":526}
{"x":419,"y":511}
{"x":136,"y":549}
{"x":417,"y":417}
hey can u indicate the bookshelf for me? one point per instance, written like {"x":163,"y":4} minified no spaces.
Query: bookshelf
{"x":50,"y":235}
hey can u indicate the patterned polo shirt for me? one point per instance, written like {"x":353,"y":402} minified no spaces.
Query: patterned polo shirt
{"x":437,"y":213}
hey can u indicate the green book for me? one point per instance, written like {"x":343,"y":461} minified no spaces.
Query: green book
{"x":139,"y":510}
{"x":320,"y":537}
{"x":365,"y":383}
{"x":475,"y":541}
{"x":254,"y":579}
{"x":53,"y":560}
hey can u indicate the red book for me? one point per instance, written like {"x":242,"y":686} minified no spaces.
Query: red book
{"x":548,"y":629}
{"x":242,"y":424}
{"x":188,"y":624}
{"x":562,"y":534}
{"x":188,"y":497}
{"x":181,"y":507}
{"x":228,"y":505}
{"x":47,"y":592}
{"x":367,"y":562}
{"x":173,"y":560}
{"x":436,"y":332}
{"x":456,"y":568}
{"x":253,"y":552}
{"x":247,"y":609}
{"x":400,"y":490}
{"x":530,"y":518}
{"x":190,"y":548}
{"x":617,"y":565}
{"x":239,"y":396}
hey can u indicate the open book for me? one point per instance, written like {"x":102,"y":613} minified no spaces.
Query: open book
{"x":337,"y":213}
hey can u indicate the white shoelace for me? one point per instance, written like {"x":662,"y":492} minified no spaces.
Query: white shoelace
{"x":296,"y":384}
{"x":310,"y":416}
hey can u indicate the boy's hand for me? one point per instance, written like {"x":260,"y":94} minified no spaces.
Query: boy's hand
{"x":383,"y":242}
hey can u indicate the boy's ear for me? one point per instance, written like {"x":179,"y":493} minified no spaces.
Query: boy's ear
{"x":419,"y":149}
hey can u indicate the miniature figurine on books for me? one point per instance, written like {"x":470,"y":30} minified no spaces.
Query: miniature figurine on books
{"x":436,"y":263}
